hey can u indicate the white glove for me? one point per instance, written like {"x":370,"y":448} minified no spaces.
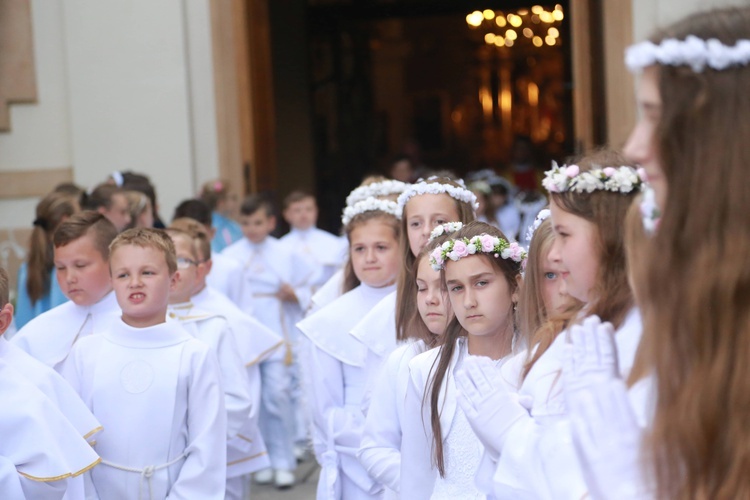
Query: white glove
{"x":591,"y":356}
{"x":606,"y":437}
{"x":490,"y":407}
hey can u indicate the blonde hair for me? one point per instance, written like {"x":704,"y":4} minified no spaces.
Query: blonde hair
{"x":4,"y":287}
{"x":137,"y":205}
{"x":532,"y":311}
{"x":197,"y":232}
{"x":696,"y":298}
{"x":406,"y":289}
{"x":50,"y":212}
{"x":146,"y":237}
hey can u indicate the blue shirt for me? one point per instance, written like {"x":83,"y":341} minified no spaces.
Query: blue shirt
{"x":227,"y":232}
{"x":25,"y":311}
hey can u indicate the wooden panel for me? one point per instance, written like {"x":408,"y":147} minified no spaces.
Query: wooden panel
{"x":261,"y":95}
{"x":32,"y":183}
{"x":583,"y":124}
{"x":17,"y":75}
{"x":227,"y":95}
{"x":618,"y":35}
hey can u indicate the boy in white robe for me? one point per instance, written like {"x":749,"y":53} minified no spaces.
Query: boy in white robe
{"x":275,"y":287}
{"x":41,"y":448}
{"x":81,"y":254}
{"x":226,"y":274}
{"x":155,"y":389}
{"x":246,"y":452}
{"x":326,"y":251}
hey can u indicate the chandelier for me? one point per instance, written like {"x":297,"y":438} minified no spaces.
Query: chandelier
{"x":536,"y":26}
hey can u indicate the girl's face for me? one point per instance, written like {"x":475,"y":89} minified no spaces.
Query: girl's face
{"x":146,"y":218}
{"x":423,"y":213}
{"x":554,"y":291}
{"x":480,"y":296}
{"x":373,"y":249}
{"x":640,"y":147}
{"x":433,"y":308}
{"x":574,"y":248}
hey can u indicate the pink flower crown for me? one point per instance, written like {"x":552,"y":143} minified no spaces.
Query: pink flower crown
{"x":483,"y":243}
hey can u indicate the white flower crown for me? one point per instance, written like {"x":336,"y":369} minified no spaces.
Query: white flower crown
{"x":615,"y":179}
{"x":483,"y":243}
{"x":693,"y":51}
{"x":540,"y":217}
{"x":376,"y":189}
{"x":447,"y":228}
{"x":421,"y":187}
{"x":370,"y":205}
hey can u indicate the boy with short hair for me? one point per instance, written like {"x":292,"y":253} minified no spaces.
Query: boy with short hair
{"x":304,"y":239}
{"x":275,"y":286}
{"x":42,"y":450}
{"x":155,"y":389}
{"x":211,"y":329}
{"x":247,"y":452}
{"x":81,"y":255}
{"x":226,"y":274}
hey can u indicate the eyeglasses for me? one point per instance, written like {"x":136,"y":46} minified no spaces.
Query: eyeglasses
{"x":184,"y":263}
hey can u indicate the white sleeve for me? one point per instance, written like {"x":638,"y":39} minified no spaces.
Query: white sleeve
{"x":305,"y":274}
{"x":380,"y":450}
{"x":234,"y":379}
{"x":417,"y":473}
{"x":203,"y":474}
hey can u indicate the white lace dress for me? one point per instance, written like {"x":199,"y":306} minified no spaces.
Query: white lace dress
{"x":463,"y":452}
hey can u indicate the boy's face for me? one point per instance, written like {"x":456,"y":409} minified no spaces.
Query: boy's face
{"x":258,"y":225}
{"x":187,"y":270}
{"x":82,"y":272}
{"x":142,"y":284}
{"x":302,"y":214}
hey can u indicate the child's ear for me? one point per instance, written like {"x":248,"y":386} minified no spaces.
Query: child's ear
{"x":515,"y":297}
{"x":6,"y":317}
{"x":173,"y":281}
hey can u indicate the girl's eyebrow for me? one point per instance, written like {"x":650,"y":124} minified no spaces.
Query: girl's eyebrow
{"x":472,"y":277}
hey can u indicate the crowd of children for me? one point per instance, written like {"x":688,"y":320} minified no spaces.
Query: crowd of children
{"x":598,"y":349}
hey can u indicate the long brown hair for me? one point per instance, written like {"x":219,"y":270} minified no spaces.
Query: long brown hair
{"x":696,"y":302}
{"x":406,"y":290}
{"x":606,"y":210}
{"x":350,"y":278}
{"x":510,"y":270}
{"x":50,"y":212}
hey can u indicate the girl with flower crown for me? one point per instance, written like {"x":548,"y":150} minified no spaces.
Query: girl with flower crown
{"x":375,"y":186}
{"x":695,"y":293}
{"x":481,"y":272}
{"x":424,"y":206}
{"x":334,"y":375}
{"x":380,"y":451}
{"x":528,"y":431}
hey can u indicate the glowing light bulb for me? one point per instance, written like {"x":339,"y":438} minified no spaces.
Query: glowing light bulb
{"x":488,"y":14}
{"x":537,"y":41}
{"x":511,"y":35}
{"x":553,"y":32}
